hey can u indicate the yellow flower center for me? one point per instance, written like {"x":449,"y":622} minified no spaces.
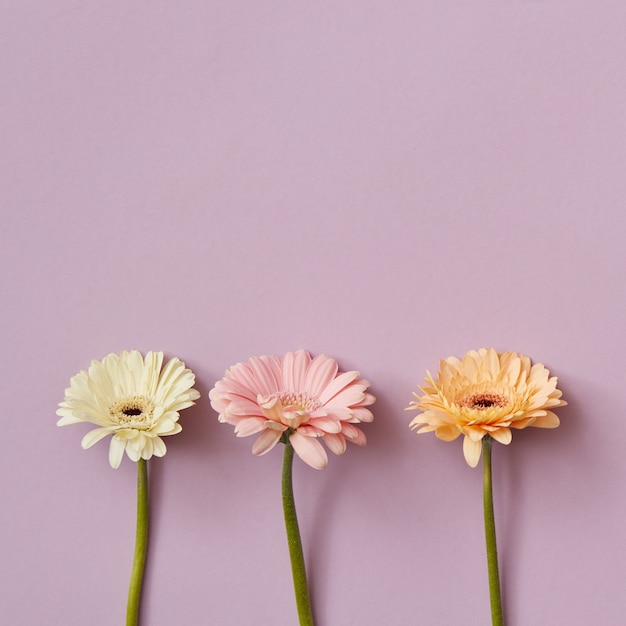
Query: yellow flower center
{"x":133,"y":412}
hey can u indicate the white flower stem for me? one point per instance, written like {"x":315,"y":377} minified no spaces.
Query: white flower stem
{"x":295,"y":543}
{"x":141,"y":546}
{"x":490,"y":537}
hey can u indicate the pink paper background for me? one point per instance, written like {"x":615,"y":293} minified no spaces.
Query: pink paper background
{"x":387,"y":182}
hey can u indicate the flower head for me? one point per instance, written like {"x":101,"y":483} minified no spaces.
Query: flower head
{"x":296,"y":396}
{"x":132,"y":398}
{"x":486,"y":393}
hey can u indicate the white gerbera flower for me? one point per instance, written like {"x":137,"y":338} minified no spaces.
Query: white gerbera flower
{"x":132,"y":398}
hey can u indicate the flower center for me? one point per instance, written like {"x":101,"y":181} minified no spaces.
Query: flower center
{"x":300,"y":402}
{"x":289,"y":408}
{"x":482,"y":401}
{"x":133,"y":412}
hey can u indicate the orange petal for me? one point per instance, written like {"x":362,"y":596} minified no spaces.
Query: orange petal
{"x":472,"y":451}
{"x":502,"y":435}
{"x":549,"y":420}
{"x":445,"y":433}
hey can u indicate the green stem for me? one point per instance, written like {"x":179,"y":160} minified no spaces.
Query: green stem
{"x":295,"y":544}
{"x":141,"y":546}
{"x":490,"y":537}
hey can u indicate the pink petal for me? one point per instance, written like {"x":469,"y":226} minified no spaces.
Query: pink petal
{"x":326,"y":424}
{"x":310,"y":431}
{"x":320,"y":373}
{"x":268,"y":373}
{"x":310,"y":450}
{"x":339,"y":383}
{"x":250,"y":426}
{"x":362,"y":415}
{"x":242,"y":380}
{"x":353,"y":394}
{"x":295,"y":365}
{"x":244,"y":408}
{"x":236,"y":383}
{"x":272,"y":408}
{"x":368,"y":398}
{"x":341,"y":413}
{"x":266,"y":441}
{"x":336,"y":443}
{"x":353,"y":434}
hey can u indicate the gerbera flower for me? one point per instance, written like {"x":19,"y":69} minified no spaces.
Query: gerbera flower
{"x":486,"y":393}
{"x":132,"y":398}
{"x":302,"y":398}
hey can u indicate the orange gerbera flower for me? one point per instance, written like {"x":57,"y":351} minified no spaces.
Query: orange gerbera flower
{"x":486,"y":393}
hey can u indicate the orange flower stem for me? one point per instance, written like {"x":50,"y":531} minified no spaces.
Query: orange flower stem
{"x":296,"y":555}
{"x":490,"y":537}
{"x":141,"y":546}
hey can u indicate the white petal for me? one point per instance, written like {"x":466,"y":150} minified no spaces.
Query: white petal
{"x":93,"y":436}
{"x":116,"y":451}
{"x":158,"y":447}
{"x":146,"y":453}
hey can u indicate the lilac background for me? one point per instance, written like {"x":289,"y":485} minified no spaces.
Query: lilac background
{"x":386,"y":182}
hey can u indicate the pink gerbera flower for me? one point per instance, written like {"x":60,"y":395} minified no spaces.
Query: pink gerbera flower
{"x":297,"y":397}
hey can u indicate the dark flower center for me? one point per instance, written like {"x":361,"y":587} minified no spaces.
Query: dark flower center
{"x":483,"y":401}
{"x":133,"y":412}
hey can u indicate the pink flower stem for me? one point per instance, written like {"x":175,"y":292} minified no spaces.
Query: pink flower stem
{"x":141,"y":546}
{"x":298,"y":569}
{"x":490,"y":537}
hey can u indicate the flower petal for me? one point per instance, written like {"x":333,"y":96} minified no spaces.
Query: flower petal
{"x":336,"y":443}
{"x":146,"y":453}
{"x":321,"y":372}
{"x":339,"y":383}
{"x":549,"y":420}
{"x":295,"y":365}
{"x":158,"y":447}
{"x":116,"y":451}
{"x":250,"y":426}
{"x":266,"y":441}
{"x":447,"y":433}
{"x":288,"y":394}
{"x":326,"y":424}
{"x":472,"y":451}
{"x":310,"y":450}
{"x":353,"y":434}
{"x":268,"y":374}
{"x":93,"y":436}
{"x":502,"y":435}
{"x":123,"y":394}
{"x":486,"y":393}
